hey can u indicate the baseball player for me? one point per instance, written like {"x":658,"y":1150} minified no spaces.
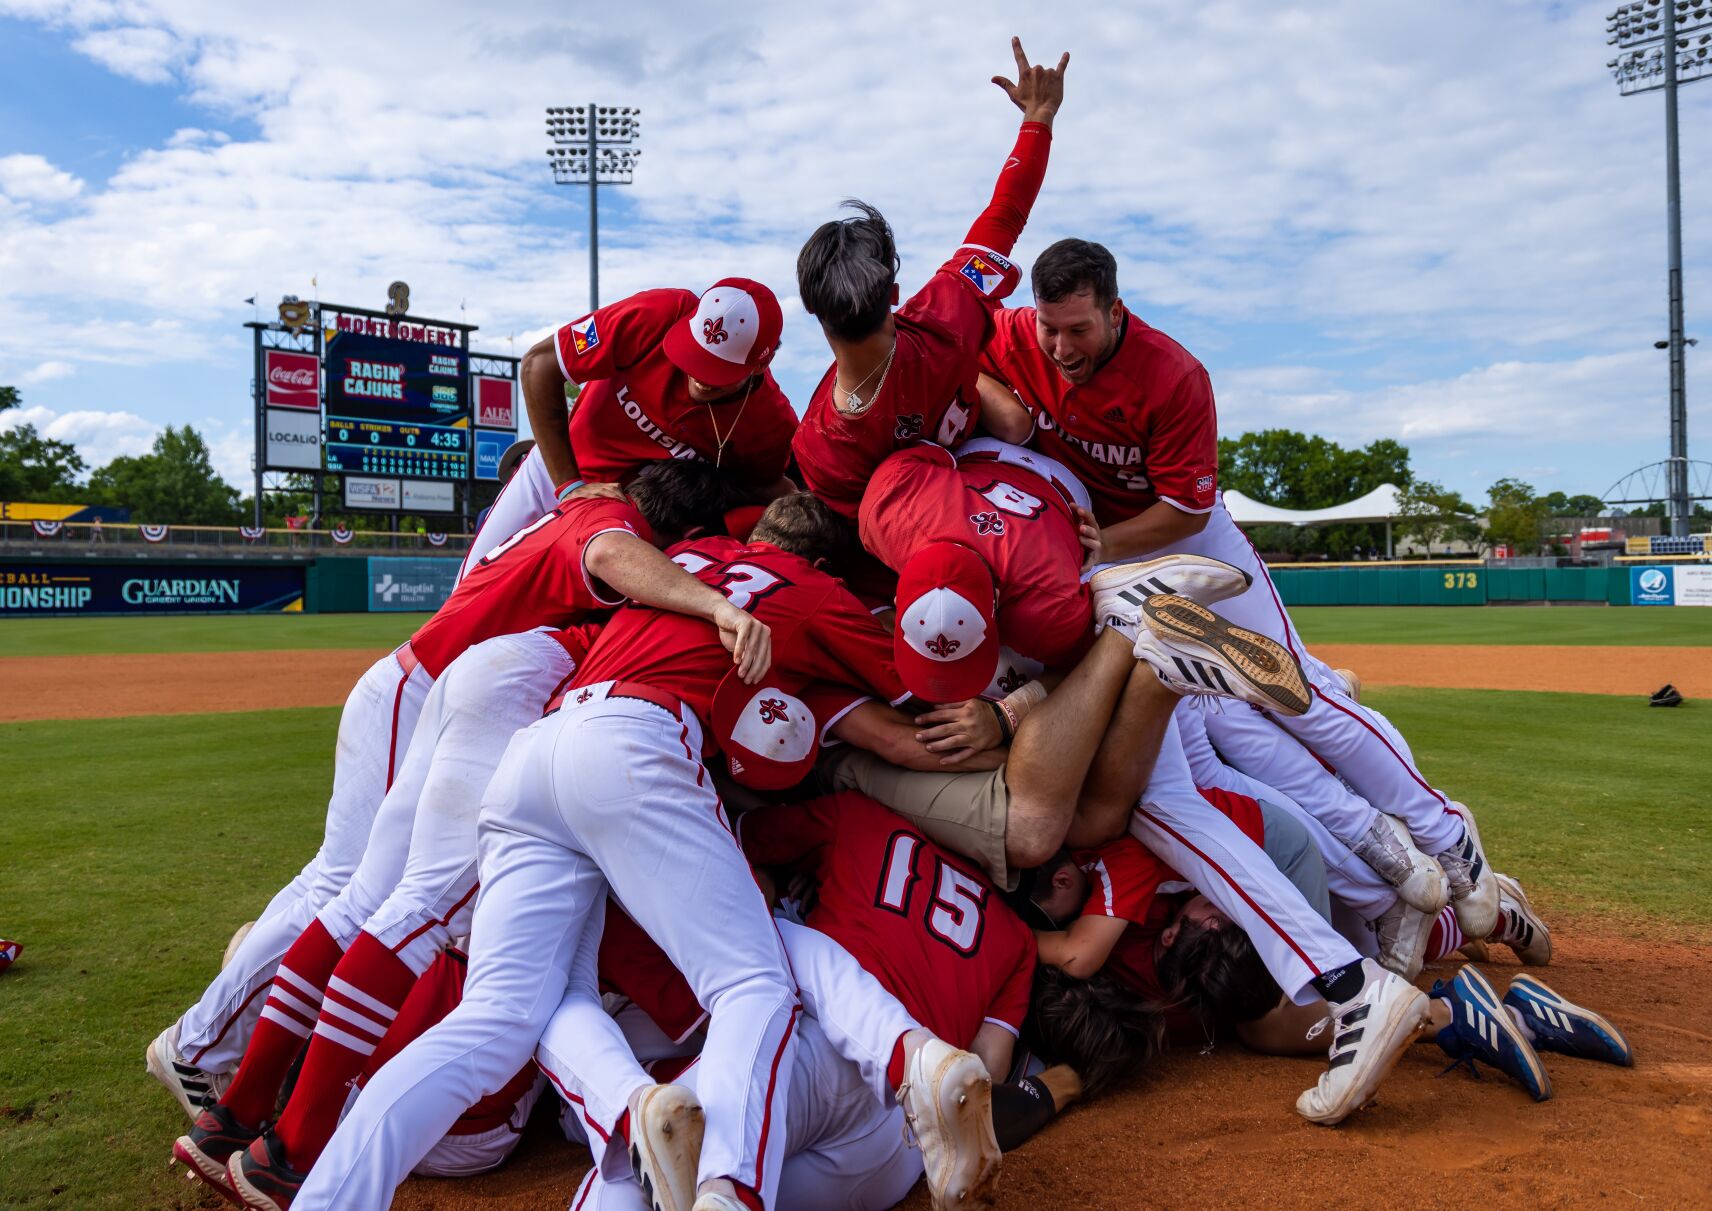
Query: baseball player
{"x":901,"y":377}
{"x":665,"y":375}
{"x":1131,"y":412}
{"x":496,"y":662}
{"x":611,"y":791}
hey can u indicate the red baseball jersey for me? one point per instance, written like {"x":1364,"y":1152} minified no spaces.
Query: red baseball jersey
{"x":820,"y":631}
{"x":928,"y":393}
{"x":533,"y":579}
{"x":636,"y":408}
{"x":633,"y":965}
{"x":1143,"y":429}
{"x":1129,"y":881}
{"x":922,"y":921}
{"x":1013,"y":518}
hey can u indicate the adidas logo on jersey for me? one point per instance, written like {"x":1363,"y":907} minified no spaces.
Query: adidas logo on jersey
{"x":1113,"y":413}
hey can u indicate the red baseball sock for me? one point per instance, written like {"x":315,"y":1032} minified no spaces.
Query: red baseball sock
{"x":288,"y":1015}
{"x":895,"y":1065}
{"x":363,"y":997}
{"x":1446,"y":938}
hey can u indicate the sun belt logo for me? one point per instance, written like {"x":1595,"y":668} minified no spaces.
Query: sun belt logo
{"x":1653,"y":580}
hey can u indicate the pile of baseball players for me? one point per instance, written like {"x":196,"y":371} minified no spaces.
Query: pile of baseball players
{"x":815,"y":807}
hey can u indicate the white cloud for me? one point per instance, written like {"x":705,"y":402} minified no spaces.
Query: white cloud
{"x":147,"y":55}
{"x":31,"y":178}
{"x":100,"y":436}
{"x":48,"y":371}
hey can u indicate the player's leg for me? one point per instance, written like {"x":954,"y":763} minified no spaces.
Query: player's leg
{"x":460,"y":1154}
{"x":1377,"y":1014}
{"x":539,"y":902}
{"x":526,"y":496}
{"x":641,"y":803}
{"x":375,"y":726}
{"x":1124,"y":759}
{"x":484,"y":697}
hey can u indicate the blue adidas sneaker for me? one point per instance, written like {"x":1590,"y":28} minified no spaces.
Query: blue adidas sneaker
{"x":1561,"y":1025}
{"x":1482,"y":1029}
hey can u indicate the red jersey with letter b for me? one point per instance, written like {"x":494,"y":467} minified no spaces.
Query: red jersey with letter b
{"x":636,"y":408}
{"x":922,"y":921}
{"x":533,"y":579}
{"x":1143,"y":429}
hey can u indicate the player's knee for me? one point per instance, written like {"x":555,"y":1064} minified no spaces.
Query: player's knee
{"x":1032,"y":835}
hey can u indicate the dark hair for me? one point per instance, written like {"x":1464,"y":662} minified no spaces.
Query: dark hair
{"x":1072,"y":266}
{"x":1219,"y":973}
{"x":802,"y":524}
{"x":1097,"y":1026}
{"x":846,"y":270}
{"x":677,"y":495}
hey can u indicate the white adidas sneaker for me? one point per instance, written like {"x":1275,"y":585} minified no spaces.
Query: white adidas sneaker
{"x":1369,"y":1033}
{"x":666,"y":1128}
{"x":1195,"y":651}
{"x":947,"y":1098}
{"x":1121,"y":590}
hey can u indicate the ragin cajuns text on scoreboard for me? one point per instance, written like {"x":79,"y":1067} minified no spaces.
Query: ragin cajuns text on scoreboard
{"x":397,"y":397}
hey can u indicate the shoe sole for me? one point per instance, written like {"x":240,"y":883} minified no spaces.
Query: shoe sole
{"x":1143,"y":580}
{"x":205,"y":1169}
{"x":1509,"y":887}
{"x":651,"y":1157}
{"x":1423,"y":933}
{"x":1403,"y":1034}
{"x":1536,"y":990}
{"x":963,"y":1104}
{"x":1472,"y":985}
{"x":1263,"y":664}
{"x":162,"y":1071}
{"x":248,"y":1195}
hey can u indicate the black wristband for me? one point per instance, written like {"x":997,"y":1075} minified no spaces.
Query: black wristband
{"x":1004,"y":720}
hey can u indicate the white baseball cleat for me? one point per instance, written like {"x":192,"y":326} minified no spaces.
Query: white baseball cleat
{"x":1473,"y":890}
{"x":1402,"y":932}
{"x":1194,"y":651}
{"x":1368,"y":1034}
{"x":1391,"y":852}
{"x":1351,"y":680}
{"x":192,"y":1087}
{"x":947,"y":1098}
{"x":1122,"y":589}
{"x":1519,"y":927}
{"x":715,"y":1201}
{"x":666,"y":1127}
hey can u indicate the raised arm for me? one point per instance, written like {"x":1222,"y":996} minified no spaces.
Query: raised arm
{"x":1038,"y":92}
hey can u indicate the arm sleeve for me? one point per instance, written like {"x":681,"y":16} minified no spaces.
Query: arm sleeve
{"x":786,"y":834}
{"x":1002,"y":221}
{"x":1010,"y":1006}
{"x":618,"y":335}
{"x":1122,"y":877}
{"x":603,"y":518}
{"x":1183,"y":446}
{"x":855,"y":648}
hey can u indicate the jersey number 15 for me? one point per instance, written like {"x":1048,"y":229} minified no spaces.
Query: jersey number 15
{"x":955,"y":909}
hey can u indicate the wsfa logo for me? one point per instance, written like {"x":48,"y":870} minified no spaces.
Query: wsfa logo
{"x":1653,"y":581}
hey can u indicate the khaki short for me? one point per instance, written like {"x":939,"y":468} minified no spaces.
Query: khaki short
{"x":965,"y":813}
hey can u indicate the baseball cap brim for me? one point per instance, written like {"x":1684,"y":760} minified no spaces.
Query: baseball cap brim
{"x":692,"y":357}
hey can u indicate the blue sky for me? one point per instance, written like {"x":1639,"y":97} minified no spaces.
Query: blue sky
{"x":1436,"y":223}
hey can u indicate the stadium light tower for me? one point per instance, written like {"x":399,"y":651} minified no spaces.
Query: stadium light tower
{"x":1666,"y":43}
{"x":593,"y":145}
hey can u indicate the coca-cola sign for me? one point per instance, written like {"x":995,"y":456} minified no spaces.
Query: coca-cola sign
{"x":293,"y":380}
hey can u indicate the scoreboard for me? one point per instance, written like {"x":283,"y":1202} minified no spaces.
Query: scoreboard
{"x":397,"y":397}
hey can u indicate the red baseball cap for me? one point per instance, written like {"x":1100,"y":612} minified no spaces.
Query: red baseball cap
{"x":734,"y":330}
{"x":946,"y":644}
{"x":770,"y":737}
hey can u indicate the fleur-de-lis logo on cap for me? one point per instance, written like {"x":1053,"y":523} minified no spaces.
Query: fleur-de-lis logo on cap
{"x":943,"y":645}
{"x":713,"y":330}
{"x":773,"y":711}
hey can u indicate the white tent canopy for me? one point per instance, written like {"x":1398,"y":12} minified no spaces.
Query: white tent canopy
{"x":1379,"y":505}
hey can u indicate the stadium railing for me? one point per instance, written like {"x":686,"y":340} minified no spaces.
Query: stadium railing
{"x":129,"y":538}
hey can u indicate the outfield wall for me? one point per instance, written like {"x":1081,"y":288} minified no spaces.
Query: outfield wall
{"x":1478,"y":584}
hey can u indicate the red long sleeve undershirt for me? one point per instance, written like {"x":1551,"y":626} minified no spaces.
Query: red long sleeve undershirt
{"x":1001,"y":223}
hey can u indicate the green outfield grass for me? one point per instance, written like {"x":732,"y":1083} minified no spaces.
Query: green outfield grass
{"x":1318,"y":624}
{"x":136,"y":846}
{"x":220,"y":633}
{"x":1595,"y":625}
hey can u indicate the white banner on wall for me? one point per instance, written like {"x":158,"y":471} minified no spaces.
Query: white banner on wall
{"x":293,"y":439}
{"x":362,"y":492}
{"x":426,"y":496}
{"x":1693,"y":585}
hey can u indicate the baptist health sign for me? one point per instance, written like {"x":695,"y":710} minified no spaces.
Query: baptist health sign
{"x":405,"y":583}
{"x":1681,"y":584}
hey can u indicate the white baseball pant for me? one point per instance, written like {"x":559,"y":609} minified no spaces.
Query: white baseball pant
{"x":1335,"y":727}
{"x":415,"y":886}
{"x":844,"y":1151}
{"x":1207,"y":848}
{"x":479,"y":1151}
{"x":608,"y":791}
{"x":573,"y":1048}
{"x":1351,"y":881}
{"x":375,"y":728}
{"x":526,"y":496}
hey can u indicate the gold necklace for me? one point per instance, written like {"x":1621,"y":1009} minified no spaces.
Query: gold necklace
{"x":720,"y":442}
{"x":854,"y":404}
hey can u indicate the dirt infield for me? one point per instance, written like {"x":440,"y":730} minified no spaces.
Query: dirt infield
{"x":106,"y":687}
{"x":1219,"y":1129}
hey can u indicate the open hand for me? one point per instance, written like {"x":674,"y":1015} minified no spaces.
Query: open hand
{"x":748,"y":639}
{"x":959,"y":730}
{"x":1038,"y":91}
{"x":1088,"y":532}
